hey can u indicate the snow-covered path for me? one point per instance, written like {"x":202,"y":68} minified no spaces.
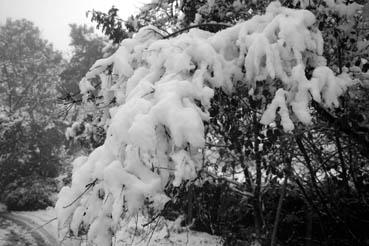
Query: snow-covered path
{"x":26,"y":225}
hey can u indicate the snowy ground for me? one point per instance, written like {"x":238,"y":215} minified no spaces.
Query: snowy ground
{"x":42,"y":221}
{"x":2,"y":207}
{"x":41,"y":217}
{"x":23,"y":228}
{"x":14,"y":232}
{"x":161,"y":232}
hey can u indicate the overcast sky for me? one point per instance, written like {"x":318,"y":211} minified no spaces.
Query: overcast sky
{"x":53,"y":16}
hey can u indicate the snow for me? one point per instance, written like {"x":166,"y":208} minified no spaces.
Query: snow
{"x":279,"y":102}
{"x":3,"y":235}
{"x":28,"y":228}
{"x":85,"y":86}
{"x":71,"y":132}
{"x":331,"y":86}
{"x":161,"y":232}
{"x":40,"y":217}
{"x":185,"y":167}
{"x":2,"y":207}
{"x":127,"y":232}
{"x":155,"y":133}
{"x":14,"y":234}
{"x":342,"y":8}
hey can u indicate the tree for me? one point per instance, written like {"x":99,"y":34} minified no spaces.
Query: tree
{"x":270,"y":96}
{"x":28,"y":64}
{"x":87,"y":48}
{"x":30,"y":136}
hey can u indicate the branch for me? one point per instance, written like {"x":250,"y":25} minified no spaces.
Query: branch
{"x":244,"y":193}
{"x":278,"y":213}
{"x":152,"y":220}
{"x":220,"y":25}
{"x":39,"y":227}
{"x":343,"y":126}
{"x":88,"y":186}
{"x":24,"y":92}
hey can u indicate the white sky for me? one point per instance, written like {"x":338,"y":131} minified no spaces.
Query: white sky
{"x":53,"y":16}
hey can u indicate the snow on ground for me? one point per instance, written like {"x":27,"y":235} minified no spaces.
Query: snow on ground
{"x":2,"y":207}
{"x":132,"y":232}
{"x":159,"y":232}
{"x":12,"y":234}
{"x":41,"y":217}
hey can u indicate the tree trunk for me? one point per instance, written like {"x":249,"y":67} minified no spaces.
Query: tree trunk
{"x":278,"y":213}
{"x":258,"y":216}
{"x":309,"y":225}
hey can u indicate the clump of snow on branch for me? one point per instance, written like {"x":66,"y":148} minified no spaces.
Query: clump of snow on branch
{"x":163,"y":89}
{"x":341,"y":7}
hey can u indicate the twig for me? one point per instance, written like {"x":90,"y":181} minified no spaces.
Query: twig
{"x":165,"y":168}
{"x":148,"y":93}
{"x":88,"y":186}
{"x":152,"y":220}
{"x":342,"y":126}
{"x":134,"y":233}
{"x":48,"y":222}
{"x":220,"y":25}
{"x":245,"y":193}
{"x":187,"y":238}
{"x":152,"y":233}
{"x":278,"y":213}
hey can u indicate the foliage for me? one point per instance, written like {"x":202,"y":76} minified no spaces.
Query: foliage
{"x":86,"y":133}
{"x":29,"y":70}
{"x":28,"y":148}
{"x":30,"y":133}
{"x":29,"y":193}
{"x":111,"y":25}
{"x":87,"y":47}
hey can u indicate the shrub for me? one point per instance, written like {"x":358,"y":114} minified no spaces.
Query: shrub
{"x":29,"y":193}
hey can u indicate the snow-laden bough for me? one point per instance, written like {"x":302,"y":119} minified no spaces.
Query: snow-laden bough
{"x":163,"y":89}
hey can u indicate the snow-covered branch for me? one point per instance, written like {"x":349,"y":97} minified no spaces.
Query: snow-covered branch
{"x":163,"y":89}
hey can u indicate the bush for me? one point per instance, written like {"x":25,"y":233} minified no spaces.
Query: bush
{"x":216,"y":209}
{"x":29,"y":193}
